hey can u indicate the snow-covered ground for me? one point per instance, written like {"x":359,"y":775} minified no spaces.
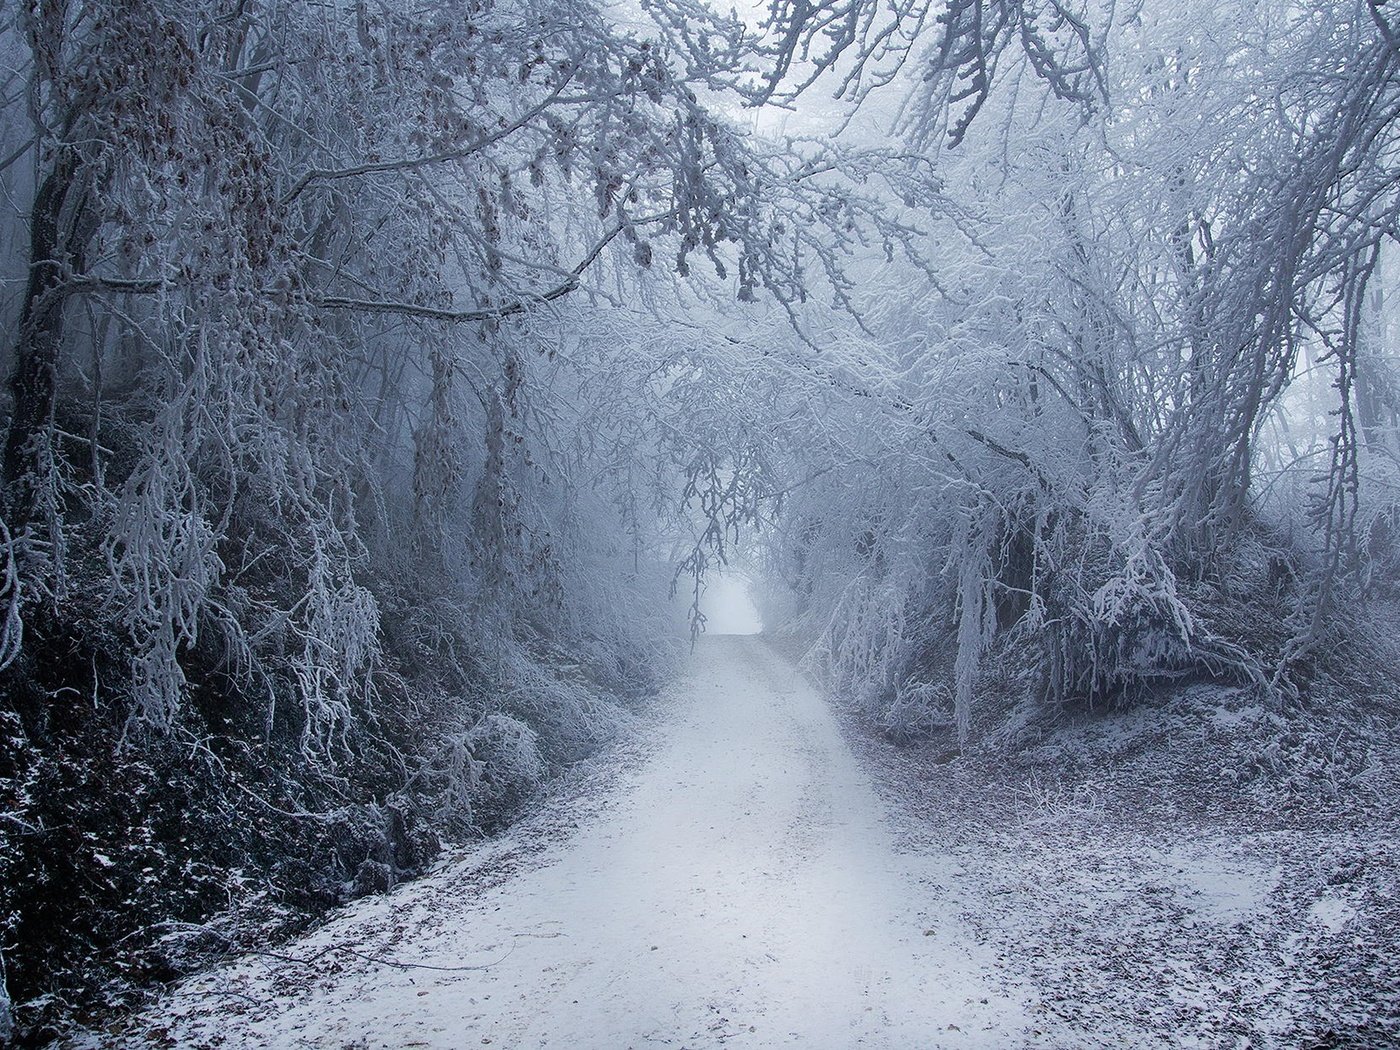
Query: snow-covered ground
{"x":737,"y":885}
{"x":1141,"y":899}
{"x":735,"y":874}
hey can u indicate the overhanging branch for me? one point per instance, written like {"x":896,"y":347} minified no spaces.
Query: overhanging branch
{"x":412,"y":163}
{"x":484,"y":313}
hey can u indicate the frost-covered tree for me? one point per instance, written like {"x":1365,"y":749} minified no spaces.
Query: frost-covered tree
{"x":344,"y":425}
{"x":1059,"y":446}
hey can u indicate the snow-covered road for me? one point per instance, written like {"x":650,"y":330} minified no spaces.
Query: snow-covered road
{"x":741,"y":890}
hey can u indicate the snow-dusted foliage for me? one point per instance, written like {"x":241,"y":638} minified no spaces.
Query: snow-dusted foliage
{"x":1144,"y":427}
{"x":344,"y":445}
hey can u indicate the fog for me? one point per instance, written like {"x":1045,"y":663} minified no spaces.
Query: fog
{"x":728,"y":605}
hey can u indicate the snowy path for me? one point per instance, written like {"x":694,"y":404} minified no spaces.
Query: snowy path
{"x":742,"y":891}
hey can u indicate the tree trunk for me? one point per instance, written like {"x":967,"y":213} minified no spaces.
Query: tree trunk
{"x":34,"y":382}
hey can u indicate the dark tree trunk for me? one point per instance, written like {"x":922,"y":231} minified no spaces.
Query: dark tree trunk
{"x":34,"y":382}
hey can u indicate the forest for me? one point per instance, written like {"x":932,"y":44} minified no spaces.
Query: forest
{"x":384,"y":382}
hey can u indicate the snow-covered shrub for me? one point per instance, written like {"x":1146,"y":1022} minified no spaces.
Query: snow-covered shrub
{"x":1129,"y":438}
